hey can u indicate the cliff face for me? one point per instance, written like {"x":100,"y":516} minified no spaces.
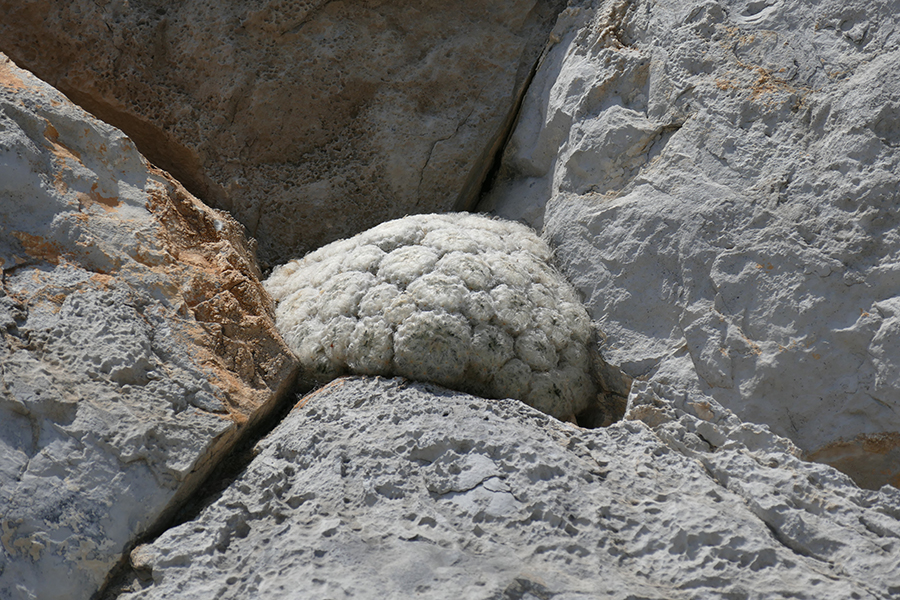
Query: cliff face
{"x":718,"y":179}
{"x":308,"y":121}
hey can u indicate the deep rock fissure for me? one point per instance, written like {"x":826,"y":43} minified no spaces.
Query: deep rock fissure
{"x":125,"y":577}
{"x":786,"y":542}
{"x":496,"y":159}
{"x":122,"y":577}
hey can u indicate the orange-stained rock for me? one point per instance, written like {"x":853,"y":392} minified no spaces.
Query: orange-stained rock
{"x":136,"y":342}
{"x":871,"y":460}
{"x":308,"y":121}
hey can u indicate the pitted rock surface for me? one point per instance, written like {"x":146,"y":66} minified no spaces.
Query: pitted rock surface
{"x":375,"y":488}
{"x":466,"y":301}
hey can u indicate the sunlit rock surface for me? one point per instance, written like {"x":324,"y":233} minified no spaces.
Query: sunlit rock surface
{"x":378,"y":488}
{"x":135,"y":343}
{"x":720,"y":180}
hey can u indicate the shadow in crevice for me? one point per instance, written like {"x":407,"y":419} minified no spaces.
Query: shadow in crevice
{"x":613,"y":387}
{"x":126,"y":577}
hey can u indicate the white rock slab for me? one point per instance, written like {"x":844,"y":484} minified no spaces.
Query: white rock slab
{"x":135,"y":343}
{"x":376,"y":488}
{"x":720,"y":179}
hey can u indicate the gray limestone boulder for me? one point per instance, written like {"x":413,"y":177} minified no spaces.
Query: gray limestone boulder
{"x":720,"y":178}
{"x":375,"y":488}
{"x":308,"y":121}
{"x":136,"y":343}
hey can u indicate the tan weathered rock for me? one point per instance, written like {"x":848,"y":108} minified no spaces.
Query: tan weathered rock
{"x":308,"y":121}
{"x":136,"y":343}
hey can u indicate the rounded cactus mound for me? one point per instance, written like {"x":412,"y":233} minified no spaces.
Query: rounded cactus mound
{"x":462,"y":300}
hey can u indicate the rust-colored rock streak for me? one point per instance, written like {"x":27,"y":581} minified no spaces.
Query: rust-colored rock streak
{"x":136,"y":343}
{"x":220,"y":286}
{"x":871,"y":460}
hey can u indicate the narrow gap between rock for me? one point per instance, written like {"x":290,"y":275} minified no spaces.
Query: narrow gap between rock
{"x":497,"y":159}
{"x":124,"y":577}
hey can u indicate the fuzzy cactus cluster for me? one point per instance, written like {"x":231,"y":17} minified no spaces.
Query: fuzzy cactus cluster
{"x":466,"y":301}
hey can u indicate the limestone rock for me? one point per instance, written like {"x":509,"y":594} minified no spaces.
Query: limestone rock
{"x":308,"y":121}
{"x":462,"y":300}
{"x":377,"y":488}
{"x":719,"y":179}
{"x":136,"y":342}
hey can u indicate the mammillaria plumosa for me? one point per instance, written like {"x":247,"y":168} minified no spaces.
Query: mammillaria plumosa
{"x":466,"y":301}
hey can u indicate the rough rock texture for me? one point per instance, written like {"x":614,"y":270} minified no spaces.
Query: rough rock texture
{"x":308,"y":121}
{"x":135,"y":341}
{"x":382,"y":489}
{"x":462,"y":300}
{"x":720,"y":180}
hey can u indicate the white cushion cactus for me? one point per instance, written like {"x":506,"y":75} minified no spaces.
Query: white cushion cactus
{"x":462,"y":300}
